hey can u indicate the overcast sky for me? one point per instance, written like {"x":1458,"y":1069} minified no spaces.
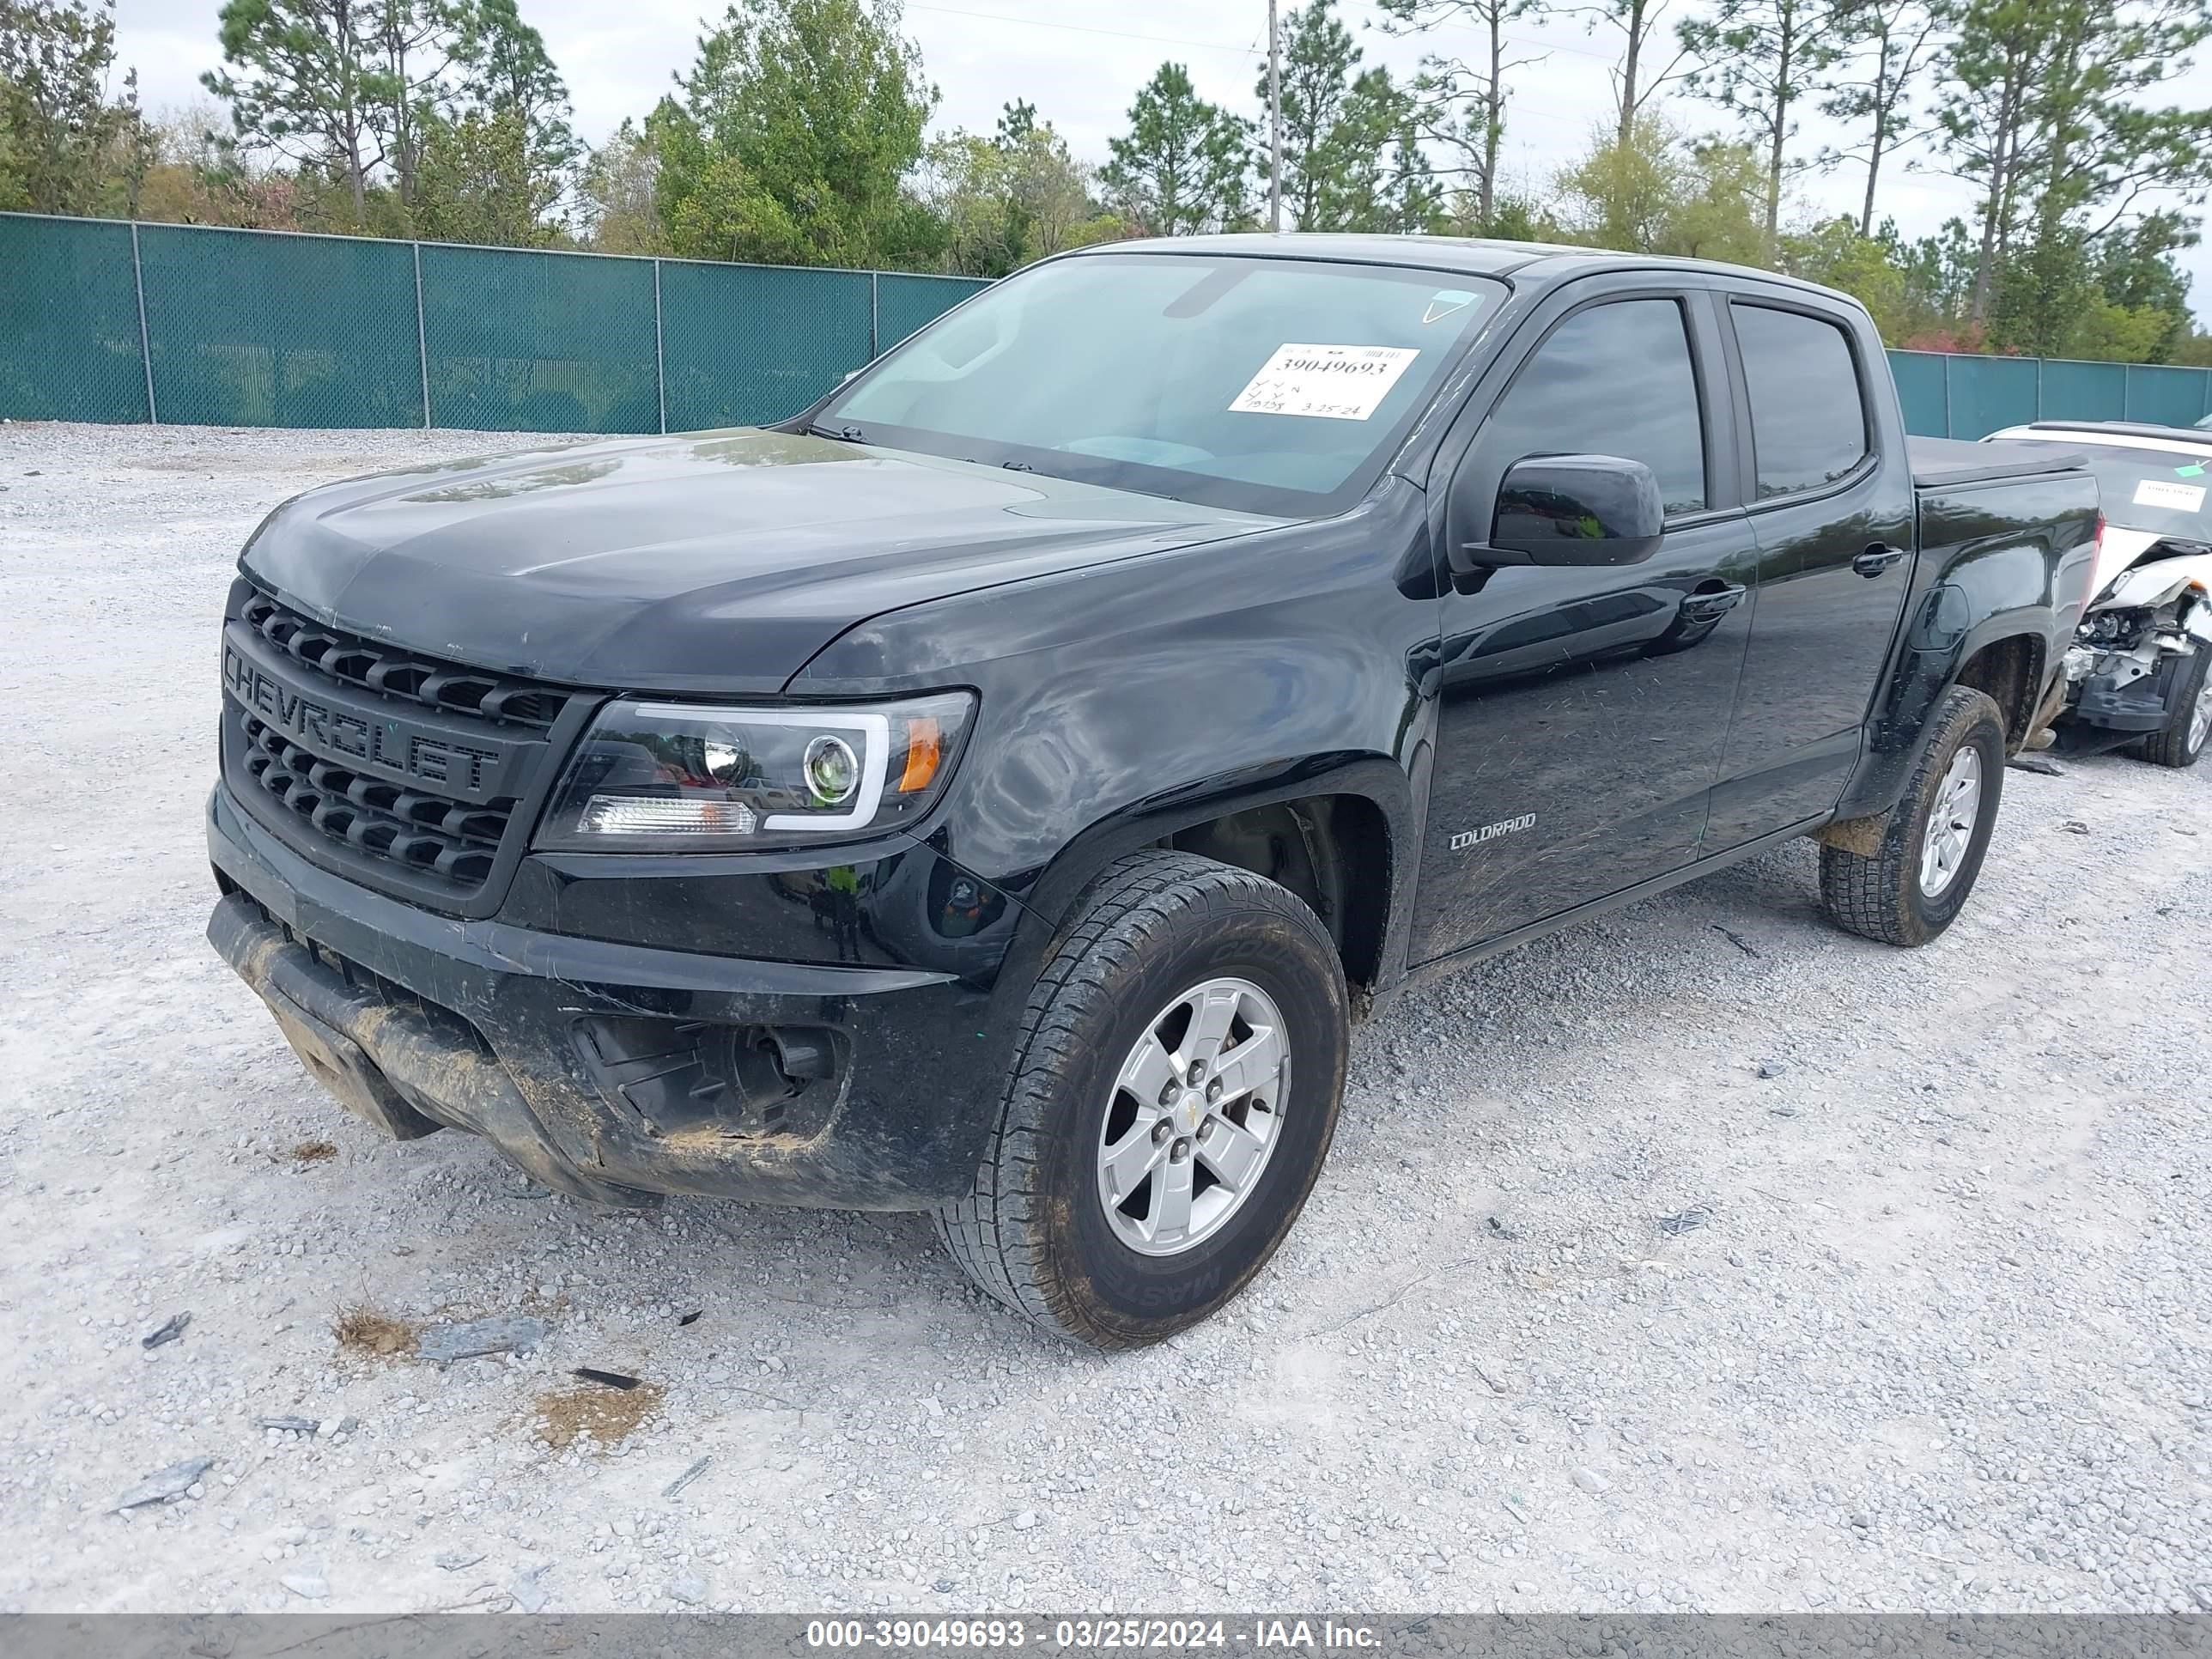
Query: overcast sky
{"x":1080,"y":62}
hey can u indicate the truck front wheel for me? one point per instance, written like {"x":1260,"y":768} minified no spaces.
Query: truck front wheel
{"x":1174,"y":1092}
{"x":1904,"y":880}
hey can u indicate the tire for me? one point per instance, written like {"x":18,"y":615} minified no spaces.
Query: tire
{"x":2186,"y":733}
{"x":1037,"y":1230}
{"x":1880,"y":892}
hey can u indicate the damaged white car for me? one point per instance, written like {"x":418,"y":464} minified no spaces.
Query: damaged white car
{"x":2139,"y":672}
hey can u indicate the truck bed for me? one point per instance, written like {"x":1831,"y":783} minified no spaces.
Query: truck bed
{"x":1938,"y":463}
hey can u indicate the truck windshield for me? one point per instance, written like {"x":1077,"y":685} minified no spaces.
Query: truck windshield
{"x":2166,"y":493}
{"x":1260,"y":385}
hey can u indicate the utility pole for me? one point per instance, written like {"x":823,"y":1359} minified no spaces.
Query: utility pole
{"x":1274,"y":121}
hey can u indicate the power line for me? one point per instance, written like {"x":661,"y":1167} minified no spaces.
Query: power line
{"x":1550,"y":44}
{"x":1253,"y":51}
{"x":1086,"y":28}
{"x":1543,"y":40}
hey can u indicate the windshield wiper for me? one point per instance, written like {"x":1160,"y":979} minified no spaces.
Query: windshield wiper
{"x":848,"y":434}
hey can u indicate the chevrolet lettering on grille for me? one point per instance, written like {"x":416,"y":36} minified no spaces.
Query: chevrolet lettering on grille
{"x":398,"y":747}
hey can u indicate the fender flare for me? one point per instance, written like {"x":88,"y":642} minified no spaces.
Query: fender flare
{"x":1926,"y":675}
{"x":1048,"y":902}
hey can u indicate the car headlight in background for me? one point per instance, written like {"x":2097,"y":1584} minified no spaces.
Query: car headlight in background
{"x":2112,"y":627}
{"x":652,"y":777}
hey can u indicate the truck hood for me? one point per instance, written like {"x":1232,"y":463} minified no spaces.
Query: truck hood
{"x":717,"y":561}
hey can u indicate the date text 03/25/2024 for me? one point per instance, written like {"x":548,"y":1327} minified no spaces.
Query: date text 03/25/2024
{"x":1092,"y":1634}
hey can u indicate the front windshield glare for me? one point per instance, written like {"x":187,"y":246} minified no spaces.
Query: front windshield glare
{"x":1265,"y":384}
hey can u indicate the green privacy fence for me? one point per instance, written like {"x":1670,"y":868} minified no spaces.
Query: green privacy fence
{"x":1952,"y":395}
{"x":102,"y":320}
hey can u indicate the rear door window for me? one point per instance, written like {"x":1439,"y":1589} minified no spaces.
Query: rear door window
{"x":1808,"y":426}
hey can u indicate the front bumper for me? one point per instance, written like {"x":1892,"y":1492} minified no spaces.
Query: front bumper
{"x":617,"y":1071}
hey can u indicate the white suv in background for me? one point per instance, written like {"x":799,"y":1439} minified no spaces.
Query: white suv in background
{"x":2140,"y":673}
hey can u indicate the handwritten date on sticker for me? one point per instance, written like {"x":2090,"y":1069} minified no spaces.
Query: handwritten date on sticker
{"x":1324,"y":382}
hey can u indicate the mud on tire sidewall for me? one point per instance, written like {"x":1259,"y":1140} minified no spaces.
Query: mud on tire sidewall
{"x":1984,"y":731}
{"x":1125,"y":1297}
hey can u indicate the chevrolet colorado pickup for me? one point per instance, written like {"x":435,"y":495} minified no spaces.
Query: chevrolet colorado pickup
{"x":997,"y":790}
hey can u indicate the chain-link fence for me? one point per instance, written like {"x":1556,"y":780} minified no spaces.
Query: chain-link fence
{"x":108,"y":321}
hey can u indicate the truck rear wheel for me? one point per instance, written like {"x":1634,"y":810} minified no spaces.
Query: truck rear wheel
{"x":2183,"y":739}
{"x":1911,"y":883}
{"x":1174,"y":1092}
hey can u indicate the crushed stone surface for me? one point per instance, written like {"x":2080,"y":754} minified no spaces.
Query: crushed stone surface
{"x":1940,"y":1337}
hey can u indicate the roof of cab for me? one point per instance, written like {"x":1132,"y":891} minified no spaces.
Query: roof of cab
{"x":1473,"y":256}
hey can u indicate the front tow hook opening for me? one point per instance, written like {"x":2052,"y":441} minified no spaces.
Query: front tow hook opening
{"x":802,"y":1055}
{"x":687,"y":1078}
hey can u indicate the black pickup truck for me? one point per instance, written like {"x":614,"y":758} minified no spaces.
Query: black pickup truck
{"x":998,"y":790}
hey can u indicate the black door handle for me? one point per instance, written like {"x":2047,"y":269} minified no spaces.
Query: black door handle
{"x":1710,"y":607}
{"x":1877,"y":559}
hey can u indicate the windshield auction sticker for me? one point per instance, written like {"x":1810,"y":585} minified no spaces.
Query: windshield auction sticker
{"x":1327,"y":382}
{"x":2157,"y":492}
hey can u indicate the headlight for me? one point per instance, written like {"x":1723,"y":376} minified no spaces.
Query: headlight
{"x":661,"y":777}
{"x":2111,"y":627}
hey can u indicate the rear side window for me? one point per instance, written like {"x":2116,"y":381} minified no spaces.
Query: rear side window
{"x":1807,"y":421}
{"x":1615,"y":380}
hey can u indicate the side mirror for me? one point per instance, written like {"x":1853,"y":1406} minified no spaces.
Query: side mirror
{"x":1564,"y":510}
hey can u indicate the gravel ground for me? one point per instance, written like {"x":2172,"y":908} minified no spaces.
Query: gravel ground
{"x":1701,"y":1257}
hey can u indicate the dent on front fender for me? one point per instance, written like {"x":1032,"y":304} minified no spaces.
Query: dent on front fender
{"x":1176,"y":684}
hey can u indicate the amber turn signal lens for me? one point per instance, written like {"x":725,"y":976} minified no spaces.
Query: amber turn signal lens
{"x":925,"y":748}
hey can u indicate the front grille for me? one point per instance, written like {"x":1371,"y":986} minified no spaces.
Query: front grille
{"x":406,"y":835}
{"x":397,"y":674}
{"x":449,"y":839}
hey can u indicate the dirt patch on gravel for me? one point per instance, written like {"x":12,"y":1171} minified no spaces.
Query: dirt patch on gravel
{"x":589,"y":1410}
{"x":313,"y":1152}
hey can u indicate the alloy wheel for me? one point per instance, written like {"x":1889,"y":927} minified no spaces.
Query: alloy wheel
{"x":1195,"y":1115}
{"x":1951,"y":821}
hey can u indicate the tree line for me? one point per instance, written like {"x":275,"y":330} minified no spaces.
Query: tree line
{"x":801,"y":135}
